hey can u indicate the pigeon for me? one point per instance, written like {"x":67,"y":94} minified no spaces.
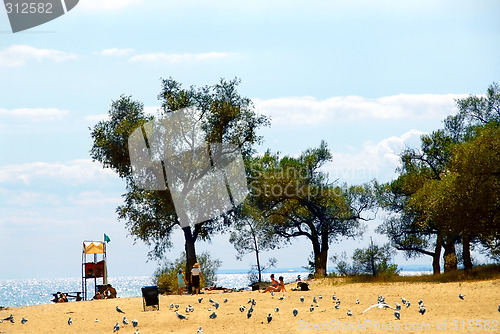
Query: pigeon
{"x":254,"y":302}
{"x":357,"y":301}
{"x":498,"y":308}
{"x":189,"y":308}
{"x":277,"y":309}
{"x":119,"y":310}
{"x":216,"y":304}
{"x":96,"y":320}
{"x":177,"y":306}
{"x":337,"y":302}
{"x":272,"y":293}
{"x":200,"y":330}
{"x":117,"y":327}
{"x":135,"y":323}
{"x":269,"y":318}
{"x":378,"y":305}
{"x":320,"y":297}
{"x":301,"y":299}
{"x":171,"y":305}
{"x":180,"y":316}
{"x":250,"y":309}
{"x":461,"y":296}
{"x":213,"y":315}
{"x":200,"y":299}
{"x":311,"y":308}
{"x":315,"y":301}
{"x":242,"y":308}
{"x":249,"y":300}
{"x":211,"y":300}
{"x":295,"y":312}
{"x":125,"y":321}
{"x":137,"y":331}
{"x":408,"y":303}
{"x":397,"y":314}
{"x":282,"y":297}
{"x":349,"y":313}
{"x":9,"y":318}
{"x":333,"y":297}
{"x":24,"y":320}
{"x":249,"y":313}
{"x":337,"y":306}
{"x":398,"y":306}
{"x":225,"y":300}
{"x":403,"y":300}
{"x":70,"y":321}
{"x":421,"y":310}
{"x":420,"y":302}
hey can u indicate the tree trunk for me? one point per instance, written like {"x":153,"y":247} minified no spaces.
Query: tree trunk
{"x":436,"y":267}
{"x":257,"y":255}
{"x":190,"y":253}
{"x":450,"y":257}
{"x":466,"y":253}
{"x":322,"y":256}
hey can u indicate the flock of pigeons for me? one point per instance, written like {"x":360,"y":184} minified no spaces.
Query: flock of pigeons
{"x":249,"y":310}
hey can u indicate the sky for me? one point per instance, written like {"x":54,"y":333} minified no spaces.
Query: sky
{"x":368,"y":77}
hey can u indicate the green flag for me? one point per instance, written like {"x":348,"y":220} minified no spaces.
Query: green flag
{"x":106,"y":238}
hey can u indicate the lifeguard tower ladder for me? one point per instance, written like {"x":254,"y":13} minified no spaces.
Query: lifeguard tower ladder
{"x":93,"y":265}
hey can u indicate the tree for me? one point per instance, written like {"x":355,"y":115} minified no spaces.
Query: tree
{"x":252,"y":234}
{"x":224,"y":117}
{"x":295,"y":196}
{"x":374,"y":259}
{"x":422,"y":197}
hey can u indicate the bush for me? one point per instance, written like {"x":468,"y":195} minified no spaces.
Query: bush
{"x":166,"y":276}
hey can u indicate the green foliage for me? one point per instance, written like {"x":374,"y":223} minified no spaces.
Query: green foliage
{"x":166,"y":276}
{"x":374,"y":260}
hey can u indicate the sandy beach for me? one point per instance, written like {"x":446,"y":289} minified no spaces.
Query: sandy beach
{"x":445,"y":311}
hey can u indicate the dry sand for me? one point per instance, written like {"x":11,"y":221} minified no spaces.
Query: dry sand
{"x":478,"y":313}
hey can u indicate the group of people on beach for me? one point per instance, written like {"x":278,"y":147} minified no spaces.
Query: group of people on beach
{"x":195,"y":278}
{"x":275,"y":285}
{"x":109,"y":293}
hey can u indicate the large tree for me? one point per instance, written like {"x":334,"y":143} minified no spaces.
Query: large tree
{"x":421,"y":197}
{"x":297,"y":198}
{"x":223,"y":116}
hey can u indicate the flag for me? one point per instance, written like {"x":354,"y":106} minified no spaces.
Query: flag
{"x":106,"y":238}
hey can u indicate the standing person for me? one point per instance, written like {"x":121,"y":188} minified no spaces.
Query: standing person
{"x":181,"y":282}
{"x":195,"y":278}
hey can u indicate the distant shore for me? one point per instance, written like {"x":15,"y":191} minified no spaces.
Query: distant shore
{"x":445,"y":311}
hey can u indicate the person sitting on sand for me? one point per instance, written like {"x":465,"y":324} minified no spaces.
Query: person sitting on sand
{"x":275,"y":285}
{"x":110,"y":292}
{"x":97,"y":295}
{"x":181,"y":282}
{"x":62,"y":298}
{"x":195,"y":278}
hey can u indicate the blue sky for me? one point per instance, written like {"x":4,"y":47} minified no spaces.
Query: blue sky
{"x":369,"y":77}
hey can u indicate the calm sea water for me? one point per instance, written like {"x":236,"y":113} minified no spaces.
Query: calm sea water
{"x":25,"y":292}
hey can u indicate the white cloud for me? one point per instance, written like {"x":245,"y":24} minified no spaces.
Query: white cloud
{"x":117,"y":52}
{"x":309,"y":110}
{"x":35,"y":114}
{"x":94,"y":199}
{"x":176,"y":58}
{"x":374,"y":161}
{"x":82,"y":171}
{"x":101,"y":5}
{"x":18,"y":55}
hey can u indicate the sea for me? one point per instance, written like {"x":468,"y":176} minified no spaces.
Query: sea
{"x":26,"y":292}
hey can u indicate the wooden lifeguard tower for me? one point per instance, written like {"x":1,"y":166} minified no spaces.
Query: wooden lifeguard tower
{"x":94,"y":265}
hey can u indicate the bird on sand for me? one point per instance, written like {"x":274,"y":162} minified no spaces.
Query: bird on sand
{"x":213,"y":315}
{"x":117,"y":327}
{"x":378,"y":305}
{"x":295,"y":311}
{"x":269,"y":318}
{"x":357,"y":301}
{"x":242,"y":308}
{"x":137,"y":331}
{"x":225,"y":300}
{"x":276,"y":309}
{"x":301,"y":299}
{"x":200,"y":330}
{"x":125,"y":320}
{"x":311,"y":308}
{"x":315,"y":301}
{"x":349,"y":313}
{"x":421,"y":309}
{"x":249,"y":313}
{"x":135,"y":322}
{"x":398,"y":306}
{"x":24,"y":320}
{"x":200,"y":299}
{"x":272,"y":293}
{"x":461,"y":296}
{"x":180,"y":316}
{"x":282,"y":297}
{"x":119,"y":310}
{"x":397,"y":314}
{"x":408,"y":303}
{"x":70,"y":321}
